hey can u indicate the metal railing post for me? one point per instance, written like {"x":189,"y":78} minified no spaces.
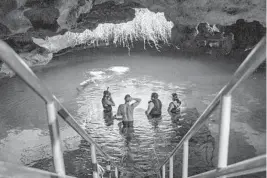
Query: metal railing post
{"x":116,"y":172}
{"x":224,"y":131}
{"x":171,"y":167}
{"x":94,"y":161}
{"x":163,"y":171}
{"x":252,"y":61}
{"x":55,"y":139}
{"x":185,"y":159}
{"x":109,"y":169}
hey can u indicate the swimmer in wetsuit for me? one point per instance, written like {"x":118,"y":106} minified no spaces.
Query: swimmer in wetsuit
{"x":174,"y":107}
{"x":154,"y":107}
{"x":107,"y":103}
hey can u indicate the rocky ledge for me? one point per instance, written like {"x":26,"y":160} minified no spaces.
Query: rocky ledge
{"x":205,"y":24}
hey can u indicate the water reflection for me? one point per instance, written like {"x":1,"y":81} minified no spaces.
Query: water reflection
{"x":127,"y":131}
{"x":141,"y":146}
{"x":154,"y":121}
{"x":108,"y":118}
{"x":196,"y":82}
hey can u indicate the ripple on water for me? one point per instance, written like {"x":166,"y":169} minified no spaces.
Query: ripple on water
{"x":140,"y":151}
{"x":140,"y":148}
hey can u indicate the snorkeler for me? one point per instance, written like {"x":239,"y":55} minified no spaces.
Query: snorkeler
{"x":107,"y":101}
{"x":154,"y":107}
{"x":174,"y":107}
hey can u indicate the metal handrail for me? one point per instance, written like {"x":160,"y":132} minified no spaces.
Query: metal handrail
{"x":249,"y":166}
{"x":252,"y":61}
{"x":13,"y":170}
{"x":74,"y":124}
{"x":13,"y":60}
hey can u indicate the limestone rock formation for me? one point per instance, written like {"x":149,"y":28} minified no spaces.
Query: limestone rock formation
{"x":43,"y":18}
{"x":246,"y":34}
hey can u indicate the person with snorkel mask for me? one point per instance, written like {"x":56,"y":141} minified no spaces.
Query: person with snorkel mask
{"x":174,"y":107}
{"x":107,"y":101}
{"x":154,"y":107}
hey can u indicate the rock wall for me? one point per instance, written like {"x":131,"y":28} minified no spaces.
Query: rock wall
{"x":20,"y":20}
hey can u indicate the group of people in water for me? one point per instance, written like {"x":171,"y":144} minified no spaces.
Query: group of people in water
{"x":126,"y":110}
{"x":125,"y":113}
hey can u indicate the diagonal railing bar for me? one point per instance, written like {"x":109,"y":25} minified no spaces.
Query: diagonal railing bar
{"x":13,"y":60}
{"x":249,"y":65}
{"x":257,"y":164}
{"x":249,"y":166}
{"x":64,"y":114}
{"x":67,"y":117}
{"x":13,"y":170}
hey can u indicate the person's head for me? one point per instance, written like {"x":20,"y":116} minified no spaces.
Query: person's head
{"x":106,"y":93}
{"x":175,"y":97}
{"x":127,"y":98}
{"x":154,"y":96}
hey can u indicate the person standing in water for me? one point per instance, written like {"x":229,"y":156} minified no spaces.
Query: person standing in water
{"x":107,"y":103}
{"x":125,"y":111}
{"x":174,"y":107}
{"x":154,"y":107}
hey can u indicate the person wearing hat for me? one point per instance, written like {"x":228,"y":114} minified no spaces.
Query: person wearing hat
{"x":174,"y":107}
{"x":107,"y":102}
{"x":154,"y":107}
{"x":125,"y":111}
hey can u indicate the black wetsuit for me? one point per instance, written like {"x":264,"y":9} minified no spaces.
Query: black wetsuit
{"x":176,"y":109}
{"x":156,"y":111}
{"x":107,"y":108}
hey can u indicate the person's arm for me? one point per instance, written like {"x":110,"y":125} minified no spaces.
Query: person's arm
{"x":150,"y":107}
{"x":109,"y":102}
{"x":137,"y":102}
{"x":119,"y":114}
{"x":170,"y":108}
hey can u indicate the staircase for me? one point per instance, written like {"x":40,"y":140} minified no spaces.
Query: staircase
{"x":54,"y":108}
